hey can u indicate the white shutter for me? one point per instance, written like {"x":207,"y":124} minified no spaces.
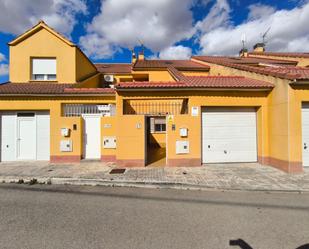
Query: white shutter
{"x":43,"y":135}
{"x":229,"y":135}
{"x":44,"y":66}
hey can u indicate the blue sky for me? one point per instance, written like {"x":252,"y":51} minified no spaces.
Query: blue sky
{"x":169,"y":29}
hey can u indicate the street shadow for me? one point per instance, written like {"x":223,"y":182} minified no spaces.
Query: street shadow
{"x":306,"y":246}
{"x":241,"y":243}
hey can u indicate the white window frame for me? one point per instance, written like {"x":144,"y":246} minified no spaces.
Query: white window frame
{"x":43,"y":72}
{"x":157,"y":121}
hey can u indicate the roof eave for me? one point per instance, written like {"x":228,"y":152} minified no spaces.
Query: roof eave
{"x":195,"y":89}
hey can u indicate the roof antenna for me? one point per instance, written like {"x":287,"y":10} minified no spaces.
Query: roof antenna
{"x":243,"y":41}
{"x":264,"y":35}
{"x":244,"y":51}
{"x":142,"y":45}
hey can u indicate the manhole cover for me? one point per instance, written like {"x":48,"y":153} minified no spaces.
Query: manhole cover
{"x":117,"y":171}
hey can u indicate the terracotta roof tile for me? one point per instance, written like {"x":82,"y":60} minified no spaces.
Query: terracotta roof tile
{"x":48,"y":88}
{"x":234,"y":82}
{"x":89,"y":90}
{"x":113,"y":68}
{"x":282,"y":54}
{"x":178,"y":64}
{"x":280,"y":71}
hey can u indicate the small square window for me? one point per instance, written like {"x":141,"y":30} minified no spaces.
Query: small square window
{"x":160,"y":128}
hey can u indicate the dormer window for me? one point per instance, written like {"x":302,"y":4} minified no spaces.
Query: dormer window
{"x":44,"y":69}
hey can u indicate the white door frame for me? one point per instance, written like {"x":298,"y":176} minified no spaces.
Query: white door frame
{"x":84,"y":116}
{"x":18,"y":134}
{"x":304,"y":144}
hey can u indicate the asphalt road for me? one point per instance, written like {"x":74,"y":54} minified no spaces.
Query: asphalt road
{"x":67,"y":217}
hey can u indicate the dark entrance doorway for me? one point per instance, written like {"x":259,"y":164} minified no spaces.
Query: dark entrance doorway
{"x":156,"y":141}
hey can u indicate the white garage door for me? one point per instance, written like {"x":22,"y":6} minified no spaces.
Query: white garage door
{"x":25,"y":136}
{"x":229,"y":135}
{"x":305,"y":134}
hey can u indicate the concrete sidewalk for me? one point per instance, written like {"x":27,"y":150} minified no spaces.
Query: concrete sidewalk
{"x":246,"y":176}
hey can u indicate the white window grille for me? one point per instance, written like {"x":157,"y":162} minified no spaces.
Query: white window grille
{"x":77,"y":110}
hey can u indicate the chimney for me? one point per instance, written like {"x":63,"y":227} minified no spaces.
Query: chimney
{"x":243,"y":52}
{"x":259,"y":47}
{"x":141,"y":56}
{"x":133,"y":56}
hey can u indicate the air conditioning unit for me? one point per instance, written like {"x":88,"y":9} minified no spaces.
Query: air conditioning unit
{"x":109,"y":78}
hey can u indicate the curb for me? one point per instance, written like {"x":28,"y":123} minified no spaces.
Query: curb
{"x":136,"y":184}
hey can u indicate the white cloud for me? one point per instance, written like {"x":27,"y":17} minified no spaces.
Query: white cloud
{"x":289,"y":32}
{"x":4,"y":69}
{"x":175,"y":53}
{"x":120,"y":23}
{"x":20,"y":15}
{"x":2,"y":57}
{"x":258,"y":11}
{"x":218,"y":16}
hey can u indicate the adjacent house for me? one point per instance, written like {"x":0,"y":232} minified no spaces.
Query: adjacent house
{"x":60,"y":107}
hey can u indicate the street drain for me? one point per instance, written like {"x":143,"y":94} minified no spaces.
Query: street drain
{"x":117,"y":171}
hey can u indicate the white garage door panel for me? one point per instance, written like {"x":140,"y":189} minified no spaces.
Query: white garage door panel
{"x":8,"y":138}
{"x":223,"y":133}
{"x":25,"y":136}
{"x":43,"y":136}
{"x":229,"y":135}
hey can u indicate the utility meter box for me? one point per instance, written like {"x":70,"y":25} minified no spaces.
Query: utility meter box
{"x":183,"y":132}
{"x":109,"y":142}
{"x":66,"y":146}
{"x":182,"y":147}
{"x":65,"y":132}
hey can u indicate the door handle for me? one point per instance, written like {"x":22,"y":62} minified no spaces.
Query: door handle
{"x":208,"y":146}
{"x":305,"y":146}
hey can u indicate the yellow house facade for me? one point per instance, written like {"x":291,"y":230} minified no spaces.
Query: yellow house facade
{"x":60,"y":107}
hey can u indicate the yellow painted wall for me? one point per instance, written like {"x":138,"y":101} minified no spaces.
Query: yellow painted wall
{"x":157,"y":75}
{"x":130,"y":137}
{"x":200,"y":99}
{"x":194,"y":73}
{"x":91,"y":82}
{"x":297,"y":96}
{"x":158,"y":138}
{"x":42,"y":44}
{"x":84,"y":68}
{"x":53,"y":104}
{"x":278,"y":109}
{"x":72,"y":65}
{"x":108,"y":128}
{"x":302,"y":62}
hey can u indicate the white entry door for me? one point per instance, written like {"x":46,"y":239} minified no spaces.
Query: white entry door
{"x":305,"y":134}
{"x":92,"y":136}
{"x":26,"y":136}
{"x":229,"y":135}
